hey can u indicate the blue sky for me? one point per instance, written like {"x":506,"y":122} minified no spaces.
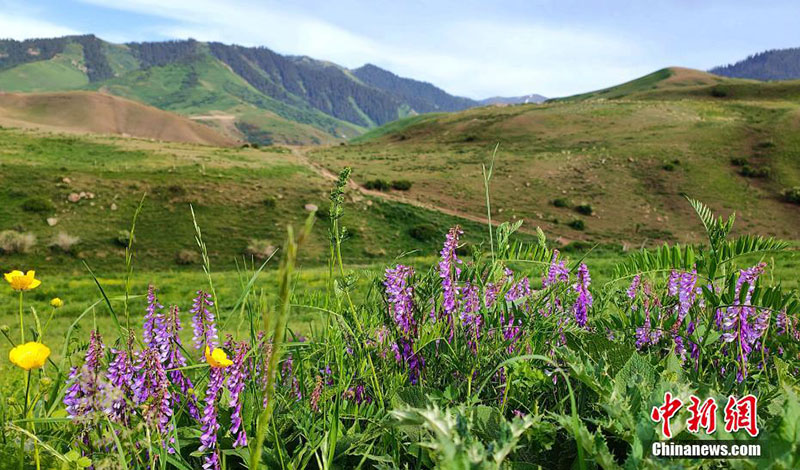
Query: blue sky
{"x":468,"y":47}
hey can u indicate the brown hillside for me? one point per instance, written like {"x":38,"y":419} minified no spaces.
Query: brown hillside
{"x":98,"y":113}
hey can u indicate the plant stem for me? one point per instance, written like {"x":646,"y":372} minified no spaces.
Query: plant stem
{"x":21,"y":323}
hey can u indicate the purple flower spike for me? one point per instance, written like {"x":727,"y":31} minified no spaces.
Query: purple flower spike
{"x":449,"y":272}
{"x":401,"y":297}
{"x":203,"y":323}
{"x":584,"y":300}
{"x":151,"y":389}
{"x":236,"y":383}
{"x":208,"y":422}
{"x":174,"y":360}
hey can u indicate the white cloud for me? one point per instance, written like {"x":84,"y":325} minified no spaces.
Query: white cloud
{"x":21,"y":27}
{"x":476,"y":58}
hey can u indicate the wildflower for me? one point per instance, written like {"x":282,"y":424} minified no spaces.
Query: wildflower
{"x":153,"y":333}
{"x":358,"y":394}
{"x":55,"y":302}
{"x":741,"y":323}
{"x":584,"y":300}
{"x":449,"y":272}
{"x":151,"y":389}
{"x":400,"y":295}
{"x":236,"y":383}
{"x":208,"y":422}
{"x":20,"y":281}
{"x":175,"y":359}
{"x":203,"y":322}
{"x":631,"y":292}
{"x":31,"y":355}
{"x":119,"y":376}
{"x":217,"y":358}
{"x":84,"y":396}
{"x":287,"y":374}
{"x":316,"y":394}
{"x":557,"y":272}
{"x":470,"y":315}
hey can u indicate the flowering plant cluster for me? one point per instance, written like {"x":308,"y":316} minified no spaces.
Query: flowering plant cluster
{"x":482,"y":359}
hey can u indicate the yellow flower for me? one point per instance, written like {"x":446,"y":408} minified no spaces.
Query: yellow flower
{"x":56,"y":302}
{"x":20,"y":281}
{"x":218,"y":358}
{"x":29,"y":356}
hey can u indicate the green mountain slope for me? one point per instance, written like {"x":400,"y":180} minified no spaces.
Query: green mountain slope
{"x":607,"y":170}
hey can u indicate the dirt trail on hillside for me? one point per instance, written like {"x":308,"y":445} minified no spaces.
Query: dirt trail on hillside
{"x":302,"y":154}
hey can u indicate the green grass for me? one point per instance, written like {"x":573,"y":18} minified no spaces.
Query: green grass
{"x":226,"y":187}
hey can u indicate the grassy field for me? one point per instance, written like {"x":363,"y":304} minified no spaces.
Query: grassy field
{"x":239,"y":195}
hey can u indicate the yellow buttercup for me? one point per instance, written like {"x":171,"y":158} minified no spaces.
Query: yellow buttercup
{"x":56,"y":302}
{"x":217,"y":358}
{"x":20,"y":281}
{"x":31,"y":355}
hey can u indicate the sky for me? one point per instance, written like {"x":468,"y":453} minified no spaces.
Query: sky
{"x":470,"y":48}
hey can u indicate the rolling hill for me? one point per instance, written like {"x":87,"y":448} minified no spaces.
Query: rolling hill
{"x":97,"y":113}
{"x":249,"y":93}
{"x":608,"y":166}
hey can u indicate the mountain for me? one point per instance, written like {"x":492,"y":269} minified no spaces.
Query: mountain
{"x":86,"y":112}
{"x":776,"y":64}
{"x":510,"y":100}
{"x":421,"y":96}
{"x":248,"y":93}
{"x":625,"y":155}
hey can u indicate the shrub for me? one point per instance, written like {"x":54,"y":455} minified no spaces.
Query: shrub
{"x":423,"y":232}
{"x":755,"y":172}
{"x":585,"y":209}
{"x":186,"y":257}
{"x":791,"y":195}
{"x":270,"y":202}
{"x":560,"y":202}
{"x":260,"y":249}
{"x":577,"y":246}
{"x":719,"y":92}
{"x":401,"y":185}
{"x":37,"y":204}
{"x":377,"y":184}
{"x":738,"y":161}
{"x":123,"y":238}
{"x":64,"y":242}
{"x":668,"y":166}
{"x":12,"y":241}
{"x":577,"y":224}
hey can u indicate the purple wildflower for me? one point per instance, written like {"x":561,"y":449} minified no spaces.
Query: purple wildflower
{"x":203,"y":323}
{"x":151,"y":389}
{"x":208,"y":422}
{"x":120,"y":376}
{"x":584,"y":300}
{"x":84,"y":396}
{"x":449,"y":272}
{"x":175,"y":359}
{"x":556,"y":273}
{"x":631,"y":292}
{"x":153,"y":327}
{"x":236,"y":382}
{"x":741,"y":323}
{"x":401,"y":298}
